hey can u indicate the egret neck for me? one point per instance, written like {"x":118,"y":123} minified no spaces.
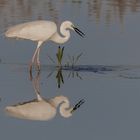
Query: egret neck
{"x":65,"y":34}
{"x":65,"y":109}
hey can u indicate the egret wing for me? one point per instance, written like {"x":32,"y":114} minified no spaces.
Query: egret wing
{"x":33,"y":110}
{"x":37,"y":30}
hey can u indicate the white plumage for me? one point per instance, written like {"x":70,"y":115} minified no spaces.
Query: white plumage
{"x":35,"y":30}
{"x":41,"y":31}
{"x":41,"y":109}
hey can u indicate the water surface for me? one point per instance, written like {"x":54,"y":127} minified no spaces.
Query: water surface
{"x":106,"y":75}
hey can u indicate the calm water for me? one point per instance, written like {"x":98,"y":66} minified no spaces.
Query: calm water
{"x":107,"y":74}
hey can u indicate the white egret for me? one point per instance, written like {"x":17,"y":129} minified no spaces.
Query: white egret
{"x":42,"y":109}
{"x":41,"y":31}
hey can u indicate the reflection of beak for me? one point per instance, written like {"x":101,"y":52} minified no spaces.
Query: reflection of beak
{"x":78,"y":31}
{"x":77,"y":105}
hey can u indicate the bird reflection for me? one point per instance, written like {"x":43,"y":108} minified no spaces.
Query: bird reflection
{"x":40,"y":108}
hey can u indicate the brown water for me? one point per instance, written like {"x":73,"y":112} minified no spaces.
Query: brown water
{"x":106,"y":76}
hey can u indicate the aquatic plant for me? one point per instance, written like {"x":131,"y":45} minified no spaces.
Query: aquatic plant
{"x":59,"y":55}
{"x":70,"y":62}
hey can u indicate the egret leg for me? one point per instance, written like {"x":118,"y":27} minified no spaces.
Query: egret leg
{"x":37,"y":59}
{"x":34,"y":58}
{"x":36,"y":86}
{"x":32,"y":61}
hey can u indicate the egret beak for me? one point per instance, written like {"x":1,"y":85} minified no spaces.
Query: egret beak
{"x":78,"y":31}
{"x":78,"y":105}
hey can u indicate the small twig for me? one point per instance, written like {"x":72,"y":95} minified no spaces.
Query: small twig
{"x":77,"y":58}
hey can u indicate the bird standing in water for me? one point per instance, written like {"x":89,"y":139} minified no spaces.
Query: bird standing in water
{"x":42,"y":31}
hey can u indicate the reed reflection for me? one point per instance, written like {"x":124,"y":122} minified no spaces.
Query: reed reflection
{"x":22,"y":10}
{"x":111,"y":9}
{"x":42,"y":109}
{"x":60,"y":78}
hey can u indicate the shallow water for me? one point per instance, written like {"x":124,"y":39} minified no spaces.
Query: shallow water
{"x":107,"y":75}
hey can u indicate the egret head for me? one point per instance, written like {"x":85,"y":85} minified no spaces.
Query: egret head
{"x":70,"y":25}
{"x":67,"y":111}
